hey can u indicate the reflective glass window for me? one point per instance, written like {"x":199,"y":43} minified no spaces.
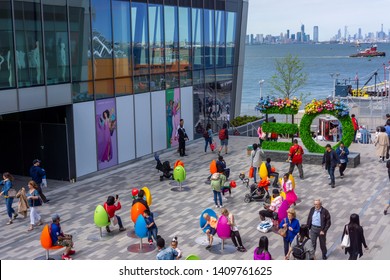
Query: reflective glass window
{"x":231,"y":18}
{"x":220,"y":47}
{"x":200,"y":114}
{"x":104,"y":89}
{"x":157,"y":82}
{"x":224,"y":86}
{"x":197,"y":39}
{"x":171,"y":38}
{"x":185,"y":79}
{"x":185,"y":38}
{"x":139,"y":32}
{"x":123,"y":86}
{"x":172,"y":80}
{"x":102,"y":39}
{"x":80,"y":40}
{"x":56,"y":41}
{"x":7,"y":54}
{"x":209,"y":38}
{"x":141,"y":84}
{"x":122,"y":38}
{"x":82,"y":91}
{"x":28,"y":56}
{"x":156,"y":38}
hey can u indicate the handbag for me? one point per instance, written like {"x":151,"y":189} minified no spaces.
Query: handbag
{"x":11,"y":193}
{"x":251,"y":171}
{"x":212,"y":146}
{"x":345,"y":243}
{"x":283,"y":231}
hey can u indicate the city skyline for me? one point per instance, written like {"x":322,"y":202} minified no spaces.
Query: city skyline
{"x":267,"y":17}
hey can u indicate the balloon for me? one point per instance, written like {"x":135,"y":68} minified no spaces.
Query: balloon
{"x":148,"y":195}
{"x":101,"y":217}
{"x":233,"y":184}
{"x":179,"y":173}
{"x":140,"y":227}
{"x":134,"y":192}
{"x":223,"y":228}
{"x":263,"y":172}
{"x":213,"y":167}
{"x":137,"y":209}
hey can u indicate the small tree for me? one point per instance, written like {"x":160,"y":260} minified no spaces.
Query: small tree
{"x":289,"y":76}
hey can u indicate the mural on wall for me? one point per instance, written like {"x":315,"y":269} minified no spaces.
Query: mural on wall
{"x":106,"y":133}
{"x":173,"y":116}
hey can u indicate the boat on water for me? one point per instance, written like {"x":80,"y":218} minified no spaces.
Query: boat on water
{"x":369,"y":52}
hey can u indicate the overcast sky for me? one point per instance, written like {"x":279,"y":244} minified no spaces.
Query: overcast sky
{"x":276,"y":16}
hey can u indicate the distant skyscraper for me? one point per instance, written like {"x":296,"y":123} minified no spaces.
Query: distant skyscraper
{"x":299,"y":37}
{"x":288,"y":34}
{"x":303,"y":35}
{"x":345,"y":33}
{"x":315,"y":34}
{"x":360,"y":34}
{"x":252,"y":39}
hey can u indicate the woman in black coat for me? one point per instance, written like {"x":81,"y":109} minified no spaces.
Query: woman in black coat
{"x":356,"y":238}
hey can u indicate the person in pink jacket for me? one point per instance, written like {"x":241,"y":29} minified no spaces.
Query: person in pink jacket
{"x":111,"y":208}
{"x":261,"y":252}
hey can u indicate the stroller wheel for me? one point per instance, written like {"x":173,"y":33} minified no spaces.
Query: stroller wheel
{"x":247,"y":198}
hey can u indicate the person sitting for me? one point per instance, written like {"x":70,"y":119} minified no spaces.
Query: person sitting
{"x":221,"y":167}
{"x":111,"y":208}
{"x":140,"y":198}
{"x":271,"y":210}
{"x":61,"y":239}
{"x":272,"y":173}
{"x":165,"y":253}
{"x":210,"y":228}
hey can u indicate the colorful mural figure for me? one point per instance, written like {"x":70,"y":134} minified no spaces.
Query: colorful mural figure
{"x":173,"y":116}
{"x":106,"y":135}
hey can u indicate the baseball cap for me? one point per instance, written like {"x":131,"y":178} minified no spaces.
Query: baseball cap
{"x":36,"y":161}
{"x":55,"y":217}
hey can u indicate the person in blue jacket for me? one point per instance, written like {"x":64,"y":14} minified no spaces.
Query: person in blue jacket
{"x":343,"y":153}
{"x":38,"y":175}
{"x":7,"y":184}
{"x":292,"y":225}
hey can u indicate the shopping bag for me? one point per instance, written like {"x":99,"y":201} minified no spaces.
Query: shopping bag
{"x":251,"y":171}
{"x":212,"y":146}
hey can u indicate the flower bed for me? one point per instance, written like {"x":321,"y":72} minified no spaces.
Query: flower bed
{"x":278,"y":106}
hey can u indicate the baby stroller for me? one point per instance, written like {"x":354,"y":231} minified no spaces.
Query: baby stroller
{"x":257,"y":192}
{"x":164,"y":167}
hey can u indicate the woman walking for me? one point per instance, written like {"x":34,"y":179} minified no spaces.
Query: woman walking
{"x":208,"y":137}
{"x":34,"y":201}
{"x":381,"y":142}
{"x":292,"y":225}
{"x":356,"y":238}
{"x":343,"y":153}
{"x":7,"y":184}
{"x":255,"y":160}
{"x":303,"y":239}
{"x":261,"y":252}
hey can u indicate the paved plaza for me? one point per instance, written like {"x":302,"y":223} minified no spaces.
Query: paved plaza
{"x":363,"y":190}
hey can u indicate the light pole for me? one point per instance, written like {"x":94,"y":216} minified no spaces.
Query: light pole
{"x":261,"y":82}
{"x":334,"y":77}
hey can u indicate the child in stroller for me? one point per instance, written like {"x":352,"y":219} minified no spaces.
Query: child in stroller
{"x":257,"y":192}
{"x":164,"y":167}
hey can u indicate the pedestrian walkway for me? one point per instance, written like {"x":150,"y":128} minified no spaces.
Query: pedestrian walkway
{"x":363,"y":190}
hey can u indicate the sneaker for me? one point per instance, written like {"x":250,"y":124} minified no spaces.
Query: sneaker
{"x":15,"y":216}
{"x":39,"y":223}
{"x":30,"y":228}
{"x":242,"y":249}
{"x":385,"y":212}
{"x":66,"y":257}
{"x":216,"y":206}
{"x":9,"y":222}
{"x":122,"y":229}
{"x":324,"y":257}
{"x":341,"y":176}
{"x":333,"y":186}
{"x":150,"y":242}
{"x":220,"y":206}
{"x":208,"y":247}
{"x":71,"y":252}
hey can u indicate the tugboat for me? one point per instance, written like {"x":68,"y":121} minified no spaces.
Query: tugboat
{"x":369,"y":52}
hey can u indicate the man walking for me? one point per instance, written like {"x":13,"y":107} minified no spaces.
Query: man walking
{"x":182,"y":138}
{"x":318,"y":222}
{"x":38,"y":175}
{"x":295,"y":158}
{"x":331,"y":161}
{"x":355,"y":126}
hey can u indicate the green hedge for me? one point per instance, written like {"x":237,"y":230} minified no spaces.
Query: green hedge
{"x":306,"y":136}
{"x":284,"y":111}
{"x":278,"y":146}
{"x":280,"y":128}
{"x":241,"y":120}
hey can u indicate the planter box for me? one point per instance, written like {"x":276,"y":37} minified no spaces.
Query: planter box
{"x":310,"y":158}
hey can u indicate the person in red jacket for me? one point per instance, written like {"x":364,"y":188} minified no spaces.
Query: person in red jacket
{"x":111,"y":208}
{"x":295,"y":158}
{"x":355,"y":126}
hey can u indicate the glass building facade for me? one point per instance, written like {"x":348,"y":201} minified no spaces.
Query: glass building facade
{"x":102,"y":49}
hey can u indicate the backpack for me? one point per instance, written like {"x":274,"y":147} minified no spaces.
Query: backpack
{"x":205,"y":134}
{"x":222,"y":134}
{"x":298,"y":250}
